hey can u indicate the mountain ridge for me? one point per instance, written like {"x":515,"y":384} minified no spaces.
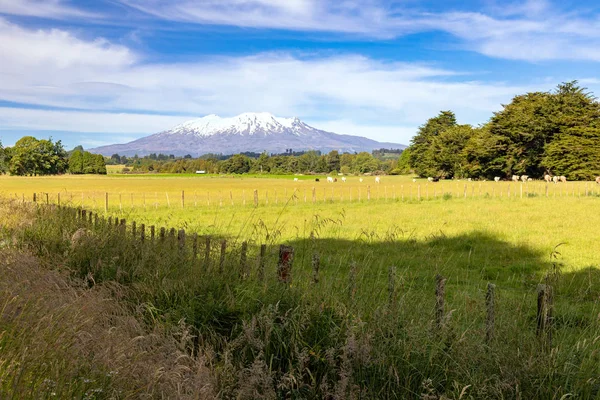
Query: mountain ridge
{"x":247,"y":132}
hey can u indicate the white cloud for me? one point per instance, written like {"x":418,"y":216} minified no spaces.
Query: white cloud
{"x":41,"y":8}
{"x":59,"y":70}
{"x":83,"y":121}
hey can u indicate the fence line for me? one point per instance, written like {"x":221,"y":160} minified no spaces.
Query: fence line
{"x":176,"y":241}
{"x":340,"y":193}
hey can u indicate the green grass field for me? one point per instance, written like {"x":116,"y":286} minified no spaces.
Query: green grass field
{"x":472,"y":233}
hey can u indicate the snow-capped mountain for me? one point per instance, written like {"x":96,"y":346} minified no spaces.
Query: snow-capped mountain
{"x":255,"y":132}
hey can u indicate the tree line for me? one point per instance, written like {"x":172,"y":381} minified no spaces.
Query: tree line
{"x":306,"y":163}
{"x":556,"y":133}
{"x":32,"y":157}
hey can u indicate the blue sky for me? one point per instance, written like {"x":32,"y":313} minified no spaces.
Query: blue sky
{"x":96,"y":72}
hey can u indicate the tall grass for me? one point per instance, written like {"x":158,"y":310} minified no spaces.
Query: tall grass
{"x":346,"y":336}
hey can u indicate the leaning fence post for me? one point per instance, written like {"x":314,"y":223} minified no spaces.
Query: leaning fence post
{"x":284,"y":266}
{"x":243,"y":260}
{"x":222,"y":257}
{"x":316,"y":264}
{"x":440,"y":288}
{"x":261,"y":262}
{"x":491,"y":314}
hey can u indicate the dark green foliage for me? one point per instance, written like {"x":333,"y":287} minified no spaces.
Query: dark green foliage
{"x":420,"y":148}
{"x":537,"y":133}
{"x":575,"y":153}
{"x":84,"y":162}
{"x":31,"y":156}
{"x":3,"y":160}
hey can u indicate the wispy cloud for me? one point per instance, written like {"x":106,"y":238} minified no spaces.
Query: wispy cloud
{"x":57,"y":9}
{"x":532,"y":30}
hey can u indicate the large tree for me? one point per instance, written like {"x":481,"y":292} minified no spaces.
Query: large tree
{"x":3,"y":160}
{"x":31,"y":156}
{"x":421,"y":157}
{"x":446,"y":153}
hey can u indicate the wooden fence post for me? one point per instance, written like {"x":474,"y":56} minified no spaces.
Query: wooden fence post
{"x":35,"y":197}
{"x":419,"y":192}
{"x":255,"y":198}
{"x":368,"y":192}
{"x":195,"y":245}
{"x":133,"y":229}
{"x":314,"y":194}
{"x":58,"y":198}
{"x":545,"y":308}
{"x":182,"y":199}
{"x":284,"y":266}
{"x":491,"y":314}
{"x":83,"y":215}
{"x":142,"y":233}
{"x":243,"y":261}
{"x":261,"y":262}
{"x":316,"y":264}
{"x":106,"y":202}
{"x":181,"y":239}
{"x":391,"y":286}
{"x":90,"y":218}
{"x":123,"y":225}
{"x":162,"y":234}
{"x":207,"y":253}
{"x":222,"y":257}
{"x":48,"y":198}
{"x":440,"y":288}
{"x":152,"y":232}
{"x":352,"y":281}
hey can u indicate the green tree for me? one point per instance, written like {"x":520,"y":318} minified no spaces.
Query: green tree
{"x":100,"y":164}
{"x":447,"y":158}
{"x":238,"y":164}
{"x":76,"y":162}
{"x":421,"y":157}
{"x":30,"y":156}
{"x":333,"y":161}
{"x":575,"y":153}
{"x":403,"y":165}
{"x":3,"y":160}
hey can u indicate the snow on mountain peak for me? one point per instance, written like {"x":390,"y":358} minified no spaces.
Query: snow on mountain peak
{"x":243,"y":124}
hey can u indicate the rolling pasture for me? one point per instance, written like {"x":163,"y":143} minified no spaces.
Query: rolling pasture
{"x":379,"y":250}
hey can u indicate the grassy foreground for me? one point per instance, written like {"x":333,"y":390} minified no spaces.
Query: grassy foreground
{"x":364,"y":330}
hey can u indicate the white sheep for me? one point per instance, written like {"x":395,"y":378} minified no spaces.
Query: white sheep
{"x":547,"y":178}
{"x":515,"y":178}
{"x":497,"y":179}
{"x":343,"y":179}
{"x":563,"y":179}
{"x":524,"y":178}
{"x":377,"y":179}
{"x":555,"y":179}
{"x":329,"y":179}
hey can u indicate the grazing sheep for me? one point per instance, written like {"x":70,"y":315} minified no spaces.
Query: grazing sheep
{"x":529,"y":179}
{"x":598,"y":180}
{"x":414,"y":180}
{"x":469,"y":179}
{"x":555,"y":179}
{"x":360,"y":180}
{"x":329,"y":179}
{"x":377,"y":179}
{"x":295,"y":179}
{"x":496,"y":179}
{"x":515,"y":178}
{"x":343,"y":179}
{"x":335,"y":179}
{"x":547,"y":178}
{"x":563,"y":179}
{"x":430,"y":179}
{"x":524,"y":178}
